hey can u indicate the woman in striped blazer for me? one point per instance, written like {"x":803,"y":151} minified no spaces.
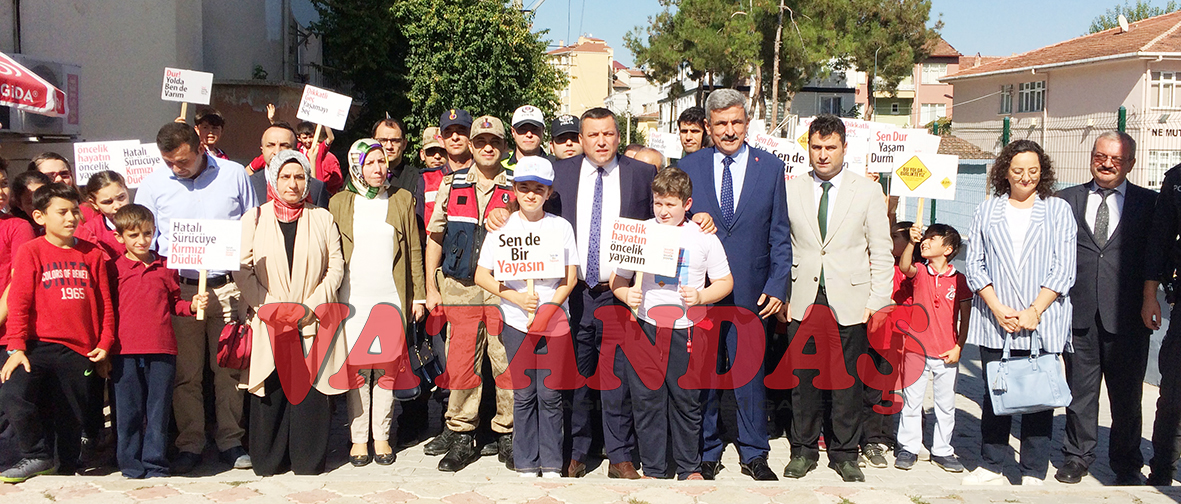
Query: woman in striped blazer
{"x":1021,"y":264}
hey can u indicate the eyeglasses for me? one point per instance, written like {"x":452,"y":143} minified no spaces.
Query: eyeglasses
{"x":1101,"y":158}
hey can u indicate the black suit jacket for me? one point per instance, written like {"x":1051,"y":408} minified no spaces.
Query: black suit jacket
{"x":1110,"y":279}
{"x":635,"y":184}
{"x":316,"y":190}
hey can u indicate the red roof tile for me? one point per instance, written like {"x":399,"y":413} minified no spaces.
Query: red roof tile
{"x":941,"y":49}
{"x":951,"y":144}
{"x":1158,"y":34}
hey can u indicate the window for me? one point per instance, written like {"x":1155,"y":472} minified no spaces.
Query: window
{"x":1164,"y":90}
{"x":830,"y":105}
{"x":932,"y":72}
{"x":1007,"y":99}
{"x":1031,"y":96}
{"x":1160,"y":161}
{"x":932,"y":111}
{"x":894,"y":108}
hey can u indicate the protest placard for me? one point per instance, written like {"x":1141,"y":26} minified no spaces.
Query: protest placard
{"x":93,"y":157}
{"x":644,"y":246}
{"x":187,"y":86}
{"x":668,"y":144}
{"x":926,"y":176}
{"x":139,"y":161}
{"x":794,"y":157}
{"x":204,"y":244}
{"x":857,"y":136}
{"x":529,"y":255}
{"x":891,"y":145}
{"x":322,"y":106}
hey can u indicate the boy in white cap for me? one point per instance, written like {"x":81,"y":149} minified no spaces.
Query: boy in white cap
{"x":528,"y":128}
{"x":537,"y":409}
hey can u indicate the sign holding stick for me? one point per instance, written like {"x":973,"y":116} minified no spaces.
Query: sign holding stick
{"x":186,"y":86}
{"x":644,"y":246}
{"x":204,"y":245}
{"x":529,"y":287}
{"x":528,"y":255}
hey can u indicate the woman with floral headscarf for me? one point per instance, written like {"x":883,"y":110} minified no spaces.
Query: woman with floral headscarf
{"x":383,"y":265}
{"x":291,"y":265}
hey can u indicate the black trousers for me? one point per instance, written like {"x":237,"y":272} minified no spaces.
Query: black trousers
{"x":1036,"y":429}
{"x":1121,"y":361}
{"x":847,"y":410}
{"x":667,"y":414}
{"x":56,"y":370}
{"x":618,"y":436}
{"x":288,"y":436}
{"x":1166,"y":430}
{"x":879,"y":428}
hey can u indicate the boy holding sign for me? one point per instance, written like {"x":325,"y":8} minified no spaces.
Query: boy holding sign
{"x":701,"y":255}
{"x":528,"y":305}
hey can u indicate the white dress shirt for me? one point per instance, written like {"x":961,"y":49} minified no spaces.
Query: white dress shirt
{"x":832,"y":193}
{"x":611,"y":206}
{"x":1115,"y":206}
{"x":737,"y":173}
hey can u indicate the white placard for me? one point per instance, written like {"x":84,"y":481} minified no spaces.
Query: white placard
{"x":889,"y":145}
{"x":857,"y":136}
{"x":139,"y":161}
{"x":322,"y":106}
{"x":186,"y":86}
{"x":645,"y":246}
{"x":205,"y":244}
{"x":668,"y":144}
{"x":524,"y":255}
{"x":93,"y":157}
{"x":793,"y":156}
{"x":926,"y":176}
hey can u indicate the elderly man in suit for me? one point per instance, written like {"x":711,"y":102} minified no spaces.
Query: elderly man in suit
{"x":741,"y":187}
{"x":1110,"y":341}
{"x":840,"y":237}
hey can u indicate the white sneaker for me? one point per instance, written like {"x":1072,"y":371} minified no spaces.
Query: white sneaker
{"x":982,"y":476}
{"x":528,"y":475}
{"x":1032,"y":481}
{"x":551,"y":474}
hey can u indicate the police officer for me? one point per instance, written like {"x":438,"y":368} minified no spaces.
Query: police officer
{"x":1162,"y":256}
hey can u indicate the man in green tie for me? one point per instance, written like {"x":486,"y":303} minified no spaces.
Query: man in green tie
{"x":840,"y":240}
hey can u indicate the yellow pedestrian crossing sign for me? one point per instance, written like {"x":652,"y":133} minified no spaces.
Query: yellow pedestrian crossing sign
{"x":913,"y":173}
{"x":925,"y":175}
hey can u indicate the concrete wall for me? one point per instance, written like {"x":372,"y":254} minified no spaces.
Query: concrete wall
{"x":931,"y":93}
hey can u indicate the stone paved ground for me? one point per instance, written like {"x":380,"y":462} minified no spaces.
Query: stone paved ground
{"x":414,"y":479}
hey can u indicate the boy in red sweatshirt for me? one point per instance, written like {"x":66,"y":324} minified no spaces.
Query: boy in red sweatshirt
{"x":60,"y":329}
{"x":147,"y":294}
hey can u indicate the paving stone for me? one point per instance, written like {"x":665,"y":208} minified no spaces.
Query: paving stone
{"x":427,"y":489}
{"x":545,"y":500}
{"x":729,"y":495}
{"x":127,"y":485}
{"x":881,"y":497}
{"x":694,"y":490}
{"x":797,"y":496}
{"x":10,"y":489}
{"x":153,"y":492}
{"x":585,"y":494}
{"x":232,"y":494}
{"x":661,"y":496}
{"x":200,"y":487}
{"x":359,"y":488}
{"x":73,"y":492}
{"x":391,"y":497}
{"x":312,"y":496}
{"x":467,"y":498}
{"x":509,"y":493}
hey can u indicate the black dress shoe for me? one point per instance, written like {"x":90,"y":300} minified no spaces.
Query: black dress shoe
{"x":441,"y":443}
{"x":759,"y":470}
{"x":1160,"y":477}
{"x":463,"y":452}
{"x":1071,"y":472}
{"x":360,"y":460}
{"x":710,"y":470}
{"x":385,"y":459}
{"x":849,"y":471}
{"x":1129,"y":479}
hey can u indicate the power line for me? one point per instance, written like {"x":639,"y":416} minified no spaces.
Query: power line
{"x":581,"y":17}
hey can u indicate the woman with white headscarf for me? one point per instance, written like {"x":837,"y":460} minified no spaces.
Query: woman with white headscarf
{"x":383,"y":265}
{"x":291,"y":264}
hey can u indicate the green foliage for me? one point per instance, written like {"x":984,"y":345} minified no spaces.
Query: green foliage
{"x":635,"y":136}
{"x":717,"y":37}
{"x":1142,"y":10}
{"x":415,"y":59}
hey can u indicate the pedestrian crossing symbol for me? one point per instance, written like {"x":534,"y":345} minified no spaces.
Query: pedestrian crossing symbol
{"x":913,"y":173}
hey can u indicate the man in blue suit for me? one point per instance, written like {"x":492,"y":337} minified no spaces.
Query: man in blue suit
{"x":742,"y":188}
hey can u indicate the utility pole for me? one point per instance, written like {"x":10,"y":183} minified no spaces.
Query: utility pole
{"x":775,"y":69}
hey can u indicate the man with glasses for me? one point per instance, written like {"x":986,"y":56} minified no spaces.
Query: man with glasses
{"x":1109,"y":337}
{"x":390,"y":132}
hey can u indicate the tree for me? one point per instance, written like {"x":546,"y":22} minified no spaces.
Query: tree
{"x":417,"y":58}
{"x":887,"y":38}
{"x":1133,"y":13}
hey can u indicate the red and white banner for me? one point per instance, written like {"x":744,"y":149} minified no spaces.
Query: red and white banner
{"x":22,"y":89}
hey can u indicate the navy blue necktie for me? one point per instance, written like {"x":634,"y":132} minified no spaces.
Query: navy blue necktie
{"x":596,"y":225}
{"x":727,"y":192}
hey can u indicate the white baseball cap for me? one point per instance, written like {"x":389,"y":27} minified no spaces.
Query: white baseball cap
{"x":528,"y":114}
{"x":534,"y":168}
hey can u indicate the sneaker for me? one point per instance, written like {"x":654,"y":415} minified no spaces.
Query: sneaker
{"x":905,"y":460}
{"x":528,"y":474}
{"x":25,"y":469}
{"x":982,"y":476}
{"x":441,"y":443}
{"x":949,"y":463}
{"x":237,"y":457}
{"x":1032,"y":481}
{"x":820,"y":444}
{"x":873,"y":455}
{"x":551,"y":474}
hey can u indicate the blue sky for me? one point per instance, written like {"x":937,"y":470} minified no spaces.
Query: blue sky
{"x":992,"y":28}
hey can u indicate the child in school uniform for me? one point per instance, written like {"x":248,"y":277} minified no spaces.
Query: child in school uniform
{"x":146,"y":295}
{"x":944,"y":294}
{"x":670,"y":408}
{"x":60,"y":328}
{"x":537,"y":409}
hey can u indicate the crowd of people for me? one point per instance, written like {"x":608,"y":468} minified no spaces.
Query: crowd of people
{"x":93,"y":316}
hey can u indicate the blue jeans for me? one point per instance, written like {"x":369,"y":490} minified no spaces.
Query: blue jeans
{"x":143,"y":393}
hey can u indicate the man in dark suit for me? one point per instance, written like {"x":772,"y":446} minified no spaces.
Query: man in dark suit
{"x":277,"y":137}
{"x":742,"y":188}
{"x":1110,"y":341}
